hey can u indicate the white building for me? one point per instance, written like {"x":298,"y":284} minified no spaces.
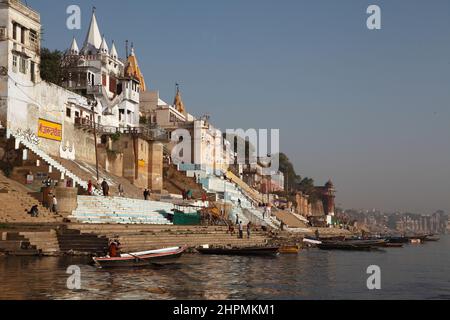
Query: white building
{"x":97,"y":71}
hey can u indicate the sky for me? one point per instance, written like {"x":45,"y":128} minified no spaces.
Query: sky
{"x":369,"y":109}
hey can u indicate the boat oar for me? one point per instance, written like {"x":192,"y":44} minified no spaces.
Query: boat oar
{"x":136,"y":257}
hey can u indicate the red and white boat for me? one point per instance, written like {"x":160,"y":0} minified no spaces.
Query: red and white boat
{"x":140,"y":259}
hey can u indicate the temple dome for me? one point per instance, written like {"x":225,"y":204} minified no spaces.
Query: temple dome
{"x":133,"y":71}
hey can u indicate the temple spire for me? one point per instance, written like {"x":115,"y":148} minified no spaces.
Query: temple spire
{"x":93,"y":37}
{"x":74,"y":50}
{"x":113,"y":52}
{"x":132,"y":69}
{"x":104,"y":46}
{"x":178,"y":102}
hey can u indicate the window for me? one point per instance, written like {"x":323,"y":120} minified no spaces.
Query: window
{"x":32,"y":71}
{"x":68,"y":113}
{"x":23,"y":65}
{"x":33,"y":37}
{"x":15,"y":63}
{"x":3,"y":33}
{"x":112,"y":85}
{"x":22,"y":35}
{"x":14,"y":31}
{"x":77,"y":114}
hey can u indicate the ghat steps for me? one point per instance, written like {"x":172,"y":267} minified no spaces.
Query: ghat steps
{"x":117,"y":210}
{"x":20,"y":139}
{"x":13,"y":243}
{"x":136,"y":238}
{"x":14,"y":199}
{"x":45,"y":242}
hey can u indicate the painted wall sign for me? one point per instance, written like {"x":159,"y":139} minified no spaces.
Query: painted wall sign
{"x":49,"y":130}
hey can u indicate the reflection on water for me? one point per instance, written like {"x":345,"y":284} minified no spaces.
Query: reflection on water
{"x":415,"y":272}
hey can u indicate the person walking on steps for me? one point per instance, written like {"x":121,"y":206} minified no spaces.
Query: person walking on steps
{"x":90,"y":188}
{"x":105,"y":188}
{"x":241,"y":230}
{"x":55,"y":205}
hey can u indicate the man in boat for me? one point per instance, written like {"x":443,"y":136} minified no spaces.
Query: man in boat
{"x":317,"y":234}
{"x":114,"y":249}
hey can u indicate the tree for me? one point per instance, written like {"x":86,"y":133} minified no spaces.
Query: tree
{"x":51,"y":70}
{"x":291,"y":179}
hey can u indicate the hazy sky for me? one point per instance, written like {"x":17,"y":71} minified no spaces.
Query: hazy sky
{"x":369,"y":109}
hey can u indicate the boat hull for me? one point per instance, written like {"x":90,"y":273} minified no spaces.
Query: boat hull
{"x":270,"y":251}
{"x":131,"y":260}
{"x":353,"y":245}
{"x":289,"y":250}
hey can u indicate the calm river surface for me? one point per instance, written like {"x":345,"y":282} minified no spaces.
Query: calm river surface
{"x":414,"y":272}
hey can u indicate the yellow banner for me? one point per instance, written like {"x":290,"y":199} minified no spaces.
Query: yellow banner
{"x":49,"y":130}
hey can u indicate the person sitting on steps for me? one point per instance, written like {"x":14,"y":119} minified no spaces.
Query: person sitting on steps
{"x":34,"y":211}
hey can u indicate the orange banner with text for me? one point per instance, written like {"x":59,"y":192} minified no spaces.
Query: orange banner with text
{"x":49,"y":130}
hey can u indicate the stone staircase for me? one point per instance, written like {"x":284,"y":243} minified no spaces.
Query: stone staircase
{"x":15,"y":200}
{"x":13,"y":243}
{"x":117,"y":210}
{"x":72,"y":241}
{"x":45,"y":242}
{"x":30,"y":145}
{"x":138,"y":238}
{"x":290,"y":220}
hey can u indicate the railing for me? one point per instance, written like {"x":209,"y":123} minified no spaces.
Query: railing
{"x":97,"y":89}
{"x":149,"y":133}
{"x":52,"y":162}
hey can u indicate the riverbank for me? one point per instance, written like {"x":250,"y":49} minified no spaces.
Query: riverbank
{"x":93,"y":239}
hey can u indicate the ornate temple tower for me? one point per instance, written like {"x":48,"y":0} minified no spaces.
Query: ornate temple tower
{"x":329,"y":197}
{"x":96,"y":71}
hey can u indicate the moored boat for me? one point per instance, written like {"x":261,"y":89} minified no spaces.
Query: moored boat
{"x":393,"y":245}
{"x":431,"y":238}
{"x":341,"y":245}
{"x":140,"y":259}
{"x":356,"y":245}
{"x":289,"y":249}
{"x":398,"y":240}
{"x":243,"y":251}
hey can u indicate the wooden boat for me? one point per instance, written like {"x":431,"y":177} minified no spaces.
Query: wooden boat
{"x":140,"y":259}
{"x":431,"y":239}
{"x":355,"y":245}
{"x":400,"y":240}
{"x":311,"y":241}
{"x":372,"y":243}
{"x":289,"y":249}
{"x":245,"y":251}
{"x":393,"y":245}
{"x":344,"y":246}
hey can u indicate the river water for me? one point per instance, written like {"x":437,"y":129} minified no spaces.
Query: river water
{"x":413,"y":272}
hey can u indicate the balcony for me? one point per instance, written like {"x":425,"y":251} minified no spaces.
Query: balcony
{"x":95,"y":90}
